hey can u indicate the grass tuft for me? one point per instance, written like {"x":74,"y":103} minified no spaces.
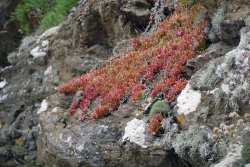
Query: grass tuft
{"x":47,"y":13}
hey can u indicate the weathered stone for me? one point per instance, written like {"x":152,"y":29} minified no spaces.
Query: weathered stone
{"x":228,"y":17}
{"x":80,"y":44}
{"x":96,"y":143}
{"x":5,"y":154}
{"x":212,"y":52}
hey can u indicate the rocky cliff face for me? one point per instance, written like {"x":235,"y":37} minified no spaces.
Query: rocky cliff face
{"x":33,"y":129}
{"x":43,"y":63}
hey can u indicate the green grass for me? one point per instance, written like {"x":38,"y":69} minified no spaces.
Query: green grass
{"x":50,"y":13}
{"x":21,"y":15}
{"x":58,"y":14}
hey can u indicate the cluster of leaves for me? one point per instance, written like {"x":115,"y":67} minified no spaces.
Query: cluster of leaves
{"x":159,"y":111}
{"x":163,"y":53}
{"x":58,"y":14}
{"x":154,"y":125}
{"x":45,"y":13}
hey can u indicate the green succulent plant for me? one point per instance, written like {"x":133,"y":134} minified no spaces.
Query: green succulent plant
{"x":160,"y":106}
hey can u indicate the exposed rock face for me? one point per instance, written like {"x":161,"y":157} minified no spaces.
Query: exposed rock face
{"x":223,"y":83}
{"x":83,"y":43}
{"x":42,"y":63}
{"x":9,"y":34}
{"x":212,"y":52}
{"x":228,"y":85}
{"x":228,"y":18}
{"x":98,"y":143}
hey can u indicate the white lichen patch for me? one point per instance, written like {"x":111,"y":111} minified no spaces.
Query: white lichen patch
{"x":80,"y":147}
{"x":55,"y":110}
{"x":225,"y":88}
{"x":233,"y":155}
{"x":37,"y":52}
{"x":3,"y":97}
{"x":134,"y":132}
{"x":213,"y":91}
{"x":48,"y":71}
{"x":188,"y":100}
{"x":44,"y":107}
{"x":69,"y":141}
{"x":3,"y":83}
{"x":45,"y":43}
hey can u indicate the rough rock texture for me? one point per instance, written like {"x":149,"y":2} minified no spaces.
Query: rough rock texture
{"x":42,"y":63}
{"x":96,"y":143}
{"x":228,"y":18}
{"x":224,"y":86}
{"x":84,"y":42}
{"x":10,"y":37}
{"x":213,"y":51}
{"x":227,"y":86}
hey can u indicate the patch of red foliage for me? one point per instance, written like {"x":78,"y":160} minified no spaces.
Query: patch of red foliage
{"x":154,"y":125}
{"x":164,"y":52}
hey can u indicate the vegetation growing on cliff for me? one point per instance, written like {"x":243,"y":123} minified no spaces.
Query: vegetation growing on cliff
{"x":154,"y":65}
{"x":43,"y":14}
{"x":159,"y":107}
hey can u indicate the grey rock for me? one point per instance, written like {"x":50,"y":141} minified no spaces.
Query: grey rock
{"x":95,"y":143}
{"x":31,"y":157}
{"x":138,"y":11}
{"x":5,"y":154}
{"x":227,"y":20}
{"x":19,"y":151}
{"x":212,"y":52}
{"x":41,"y":60}
{"x":32,"y":145}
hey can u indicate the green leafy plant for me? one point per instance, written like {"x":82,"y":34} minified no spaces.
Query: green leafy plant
{"x":58,"y":14}
{"x":160,"y":106}
{"x":21,"y":15}
{"x":51,"y":19}
{"x":48,"y":13}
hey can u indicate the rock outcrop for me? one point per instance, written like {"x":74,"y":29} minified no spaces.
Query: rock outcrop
{"x":106,"y":142}
{"x":228,"y":18}
{"x":35,"y":130}
{"x":43,"y":63}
